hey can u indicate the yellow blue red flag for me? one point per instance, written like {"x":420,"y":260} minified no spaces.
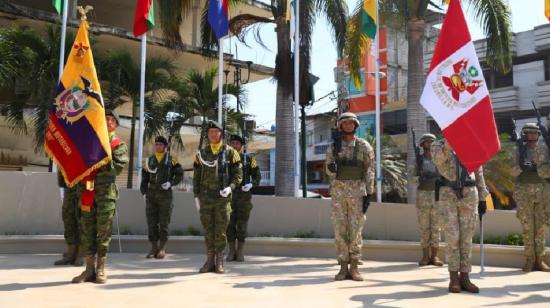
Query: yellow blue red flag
{"x":76,"y":136}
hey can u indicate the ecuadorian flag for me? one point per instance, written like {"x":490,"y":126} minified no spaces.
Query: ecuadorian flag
{"x":369,"y":21}
{"x":76,"y":138}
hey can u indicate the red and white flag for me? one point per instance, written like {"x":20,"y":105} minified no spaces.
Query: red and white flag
{"x":456,"y":95}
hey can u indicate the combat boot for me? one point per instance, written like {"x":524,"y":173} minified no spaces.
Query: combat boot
{"x":209,"y":264}
{"x":354,"y":271}
{"x":219,"y":263}
{"x":153,"y":251}
{"x":425,"y":257}
{"x":454,"y":284}
{"x":541,"y":266}
{"x":434,"y":260}
{"x":68,"y":257}
{"x":231,"y":255}
{"x":239,"y":257}
{"x":100,"y":272}
{"x":343,"y":273}
{"x":88,"y":274}
{"x":79,"y":260}
{"x":162,"y":250}
{"x":529,"y":264}
{"x":466,"y":284}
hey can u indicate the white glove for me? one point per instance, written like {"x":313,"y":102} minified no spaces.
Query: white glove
{"x":246,"y":187}
{"x":166,"y":186}
{"x":225,"y":192}
{"x":197,"y":204}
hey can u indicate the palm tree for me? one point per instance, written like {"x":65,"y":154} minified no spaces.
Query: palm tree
{"x":494,"y":17}
{"x":121,"y":78}
{"x":498,"y":172}
{"x":393,"y":166}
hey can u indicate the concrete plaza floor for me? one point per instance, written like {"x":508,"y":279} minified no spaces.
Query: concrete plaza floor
{"x":32,"y":281}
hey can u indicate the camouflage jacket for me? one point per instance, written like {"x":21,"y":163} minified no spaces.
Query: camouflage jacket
{"x":119,"y":151}
{"x":155,"y":173}
{"x":365,"y":154}
{"x":207,"y":173}
{"x":251,"y":170}
{"x":538,"y":156}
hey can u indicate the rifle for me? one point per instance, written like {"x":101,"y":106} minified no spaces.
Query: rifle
{"x":222,"y":161}
{"x":246,"y":179}
{"x":522,"y":148}
{"x":419,"y":158}
{"x":337,"y":146}
{"x":543,"y":130}
{"x":171,"y":117}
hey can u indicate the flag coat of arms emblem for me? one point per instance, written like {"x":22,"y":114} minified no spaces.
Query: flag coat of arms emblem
{"x":76,"y":137}
{"x":456,"y":94}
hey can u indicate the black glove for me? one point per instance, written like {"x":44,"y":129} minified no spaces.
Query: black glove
{"x":332,"y":167}
{"x":482,"y":208}
{"x":366,"y":203}
{"x":528,"y":166}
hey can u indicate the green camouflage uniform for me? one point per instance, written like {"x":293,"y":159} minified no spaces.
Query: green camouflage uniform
{"x":427,"y":211}
{"x":97,"y":224}
{"x":460,"y":215}
{"x":531,"y":199}
{"x":158,"y":201}
{"x":353,"y":180}
{"x":241,"y":204}
{"x":215,"y":210}
{"x":70,"y":213}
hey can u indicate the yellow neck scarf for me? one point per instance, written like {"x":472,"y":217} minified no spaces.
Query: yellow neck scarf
{"x":216,"y":148}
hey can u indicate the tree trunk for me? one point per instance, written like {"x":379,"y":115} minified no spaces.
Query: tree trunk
{"x":284,"y":117}
{"x":416,"y":117}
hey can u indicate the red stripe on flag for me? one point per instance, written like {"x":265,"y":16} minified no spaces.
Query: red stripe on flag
{"x":474,"y":135}
{"x":140,"y":18}
{"x":454,"y":34}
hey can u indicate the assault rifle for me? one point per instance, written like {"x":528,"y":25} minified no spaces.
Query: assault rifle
{"x":543,"y":130}
{"x":522,"y":148}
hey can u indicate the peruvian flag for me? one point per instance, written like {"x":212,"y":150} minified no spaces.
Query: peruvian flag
{"x":456,"y":95}
{"x":144,"y":20}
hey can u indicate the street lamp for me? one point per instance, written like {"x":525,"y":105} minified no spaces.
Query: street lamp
{"x":238,"y":81}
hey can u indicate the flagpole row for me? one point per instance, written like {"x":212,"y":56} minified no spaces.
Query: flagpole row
{"x":141,"y":106}
{"x":297,"y":99}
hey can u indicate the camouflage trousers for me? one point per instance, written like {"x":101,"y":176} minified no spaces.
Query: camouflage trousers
{"x":348,"y":219}
{"x":459,"y":221}
{"x":241,"y":205}
{"x":428,"y":218}
{"x":97,"y":225}
{"x":158,"y":210}
{"x":531,"y":214}
{"x":214,"y":213}
{"x":70,"y":214}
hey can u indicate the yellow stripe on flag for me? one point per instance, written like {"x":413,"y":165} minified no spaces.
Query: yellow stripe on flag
{"x":369,"y":6}
{"x":547,"y":9}
{"x":490,"y":204}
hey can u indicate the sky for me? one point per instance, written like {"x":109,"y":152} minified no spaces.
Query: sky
{"x":526,"y":14}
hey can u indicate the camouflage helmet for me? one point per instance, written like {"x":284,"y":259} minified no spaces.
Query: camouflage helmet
{"x":426,"y":137}
{"x":114,"y":114}
{"x":237,"y":138}
{"x":348,"y":116}
{"x":214,"y":124}
{"x":530,"y":127}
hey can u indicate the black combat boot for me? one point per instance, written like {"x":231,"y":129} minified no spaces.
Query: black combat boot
{"x":239,"y":257}
{"x":68,"y":257}
{"x":231,"y":255}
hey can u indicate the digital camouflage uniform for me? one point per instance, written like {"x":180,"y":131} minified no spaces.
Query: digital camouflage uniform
{"x":158,"y":201}
{"x":460,"y":214}
{"x":70,"y":215}
{"x":215,"y":210}
{"x":530,"y":198}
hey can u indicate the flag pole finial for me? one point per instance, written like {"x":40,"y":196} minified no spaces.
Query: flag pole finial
{"x":83,"y":11}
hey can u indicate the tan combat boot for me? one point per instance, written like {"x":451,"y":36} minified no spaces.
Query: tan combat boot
{"x":239,"y":257}
{"x":231,"y":255}
{"x":466,"y":284}
{"x":434,"y":260}
{"x":454,"y":284}
{"x":541,"y":266}
{"x":68,"y":257}
{"x":88,"y":274}
{"x":529,"y":264}
{"x":219,"y":263}
{"x":425,"y":257}
{"x":79,"y":260}
{"x":153,"y":251}
{"x":209,"y":264}
{"x":343,"y":273}
{"x":100,"y":272}
{"x":162,"y":250}
{"x":354,"y":271}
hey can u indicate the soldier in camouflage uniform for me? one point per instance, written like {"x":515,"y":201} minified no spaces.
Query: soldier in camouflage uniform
{"x":217,"y":173}
{"x":350,"y":165}
{"x":426,"y":209}
{"x":241,"y":204}
{"x":159,"y":175}
{"x":529,"y":195}
{"x":459,"y":198}
{"x":97,"y":221}
{"x":70,"y":215}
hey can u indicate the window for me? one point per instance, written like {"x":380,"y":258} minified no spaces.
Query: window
{"x":394,"y":122}
{"x":497,"y":80}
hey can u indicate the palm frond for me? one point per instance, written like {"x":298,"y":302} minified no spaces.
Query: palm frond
{"x":336,"y":12}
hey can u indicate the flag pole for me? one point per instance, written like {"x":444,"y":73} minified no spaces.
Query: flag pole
{"x":297,"y":98}
{"x":482,"y":251}
{"x":220,"y":80}
{"x":62,"y":50}
{"x":377,"y":93}
{"x":141,"y":106}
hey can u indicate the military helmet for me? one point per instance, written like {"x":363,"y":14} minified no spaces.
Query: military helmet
{"x":114,"y":114}
{"x":348,"y":116}
{"x":161,"y":139}
{"x":426,"y":137}
{"x":530,"y":127}
{"x":214,"y":124}
{"x":237,"y":138}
